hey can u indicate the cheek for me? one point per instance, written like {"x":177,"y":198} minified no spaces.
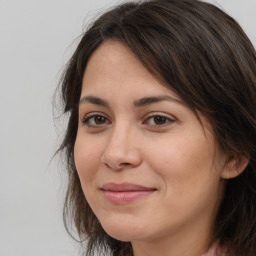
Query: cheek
{"x":87,"y":159}
{"x":189,"y":179}
{"x":87,"y":156}
{"x":185,"y":164}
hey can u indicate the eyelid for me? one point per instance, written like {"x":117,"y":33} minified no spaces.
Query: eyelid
{"x":169,"y":117}
{"x":94,"y":113}
{"x":87,"y":117}
{"x":152,"y":114}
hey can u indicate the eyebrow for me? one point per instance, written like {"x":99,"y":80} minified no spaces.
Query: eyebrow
{"x":155,"y":99}
{"x":137,"y":103}
{"x":94,"y":100}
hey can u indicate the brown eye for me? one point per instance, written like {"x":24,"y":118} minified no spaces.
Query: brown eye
{"x":99,"y":120}
{"x":158,"y":120}
{"x":95,"y":120}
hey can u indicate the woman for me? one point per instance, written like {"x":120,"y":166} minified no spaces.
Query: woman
{"x":161,"y":141}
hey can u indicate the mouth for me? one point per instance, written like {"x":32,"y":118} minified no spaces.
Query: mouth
{"x":125,"y":193}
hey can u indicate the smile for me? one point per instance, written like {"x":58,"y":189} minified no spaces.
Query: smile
{"x":125,"y":193}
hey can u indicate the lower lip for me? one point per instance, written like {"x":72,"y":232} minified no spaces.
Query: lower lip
{"x":125,"y":197}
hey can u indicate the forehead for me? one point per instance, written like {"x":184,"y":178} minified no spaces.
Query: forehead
{"x":113,"y":63}
{"x":114,"y":60}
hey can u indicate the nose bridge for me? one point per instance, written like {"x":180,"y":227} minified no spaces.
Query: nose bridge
{"x":120,"y":149}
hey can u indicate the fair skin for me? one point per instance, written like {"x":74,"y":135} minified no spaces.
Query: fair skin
{"x":158,"y":144}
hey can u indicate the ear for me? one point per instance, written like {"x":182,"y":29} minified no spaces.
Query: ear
{"x":235,"y":165}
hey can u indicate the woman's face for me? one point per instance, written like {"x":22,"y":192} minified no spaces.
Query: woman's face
{"x":148,"y":168}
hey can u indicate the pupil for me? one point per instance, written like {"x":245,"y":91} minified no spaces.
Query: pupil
{"x":159,"y":120}
{"x":99,"y":120}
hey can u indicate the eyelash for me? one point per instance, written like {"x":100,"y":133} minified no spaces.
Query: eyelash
{"x":167,"y":120}
{"x":86,"y":120}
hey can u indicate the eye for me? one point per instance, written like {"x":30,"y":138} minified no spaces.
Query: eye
{"x":158,"y":120}
{"x":95,"y":120}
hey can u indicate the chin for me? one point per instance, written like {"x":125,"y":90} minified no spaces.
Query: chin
{"x":123,"y":230}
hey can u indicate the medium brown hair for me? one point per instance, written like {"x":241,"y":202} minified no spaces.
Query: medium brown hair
{"x":206,"y":58}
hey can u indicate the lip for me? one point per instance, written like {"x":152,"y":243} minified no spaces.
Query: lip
{"x":124,"y":193}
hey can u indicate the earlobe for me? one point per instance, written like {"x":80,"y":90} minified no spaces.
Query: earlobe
{"x":234,"y":166}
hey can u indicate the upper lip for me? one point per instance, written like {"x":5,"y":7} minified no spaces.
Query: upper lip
{"x":122,"y":187}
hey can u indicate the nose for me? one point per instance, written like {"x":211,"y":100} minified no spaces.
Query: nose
{"x":121,"y":151}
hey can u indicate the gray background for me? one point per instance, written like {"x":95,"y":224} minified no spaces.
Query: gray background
{"x":36,"y":40}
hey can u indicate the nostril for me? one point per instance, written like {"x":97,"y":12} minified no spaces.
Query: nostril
{"x":118,"y":166}
{"x":119,"y":159}
{"x":108,"y":165}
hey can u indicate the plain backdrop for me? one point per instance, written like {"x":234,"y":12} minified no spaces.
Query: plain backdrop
{"x":36,"y":40}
